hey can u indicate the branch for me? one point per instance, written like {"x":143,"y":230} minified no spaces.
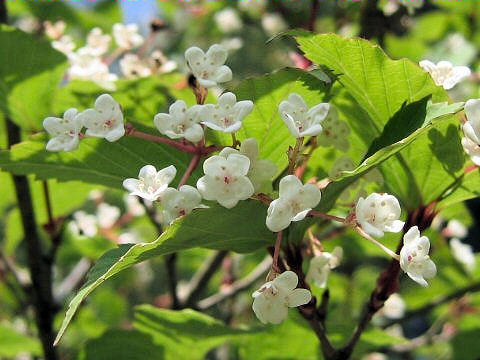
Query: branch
{"x":313,"y":15}
{"x":237,"y":286}
{"x":201,"y":278}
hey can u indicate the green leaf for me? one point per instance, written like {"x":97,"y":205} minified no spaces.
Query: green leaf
{"x":31,"y":70}
{"x":185,"y":334}
{"x":464,"y":188}
{"x":213,"y":228}
{"x":123,"y":345}
{"x":13,"y":343}
{"x":96,"y":161}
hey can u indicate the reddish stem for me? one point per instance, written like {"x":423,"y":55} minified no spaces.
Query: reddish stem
{"x":471,"y":168}
{"x":191,"y":168}
{"x":316,"y":213}
{"x":276,"y":252}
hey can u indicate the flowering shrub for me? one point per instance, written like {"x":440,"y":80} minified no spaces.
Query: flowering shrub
{"x":338,"y":171}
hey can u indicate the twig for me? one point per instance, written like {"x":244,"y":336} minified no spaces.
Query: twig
{"x":48,"y":204}
{"x":190,"y":169}
{"x":276,"y":253}
{"x":313,"y":15}
{"x":72,"y":281}
{"x":316,"y":213}
{"x":360,"y":231}
{"x":201,"y":278}
{"x":237,"y":286}
{"x":292,"y":156}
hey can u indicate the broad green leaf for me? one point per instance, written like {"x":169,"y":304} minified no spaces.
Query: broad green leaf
{"x":185,"y":334}
{"x":265,"y":123}
{"x":214,"y":228}
{"x":123,"y":345}
{"x":96,"y":161}
{"x":465,"y":188}
{"x":30,"y":72}
{"x":13,"y":343}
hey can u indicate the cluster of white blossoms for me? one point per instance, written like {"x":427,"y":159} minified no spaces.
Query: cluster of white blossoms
{"x":471,"y":129}
{"x":444,"y":73}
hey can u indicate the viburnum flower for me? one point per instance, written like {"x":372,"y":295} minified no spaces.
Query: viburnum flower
{"x":176,"y":203}
{"x":150,"y":183}
{"x":471,"y":128}
{"x":394,"y":307}
{"x":321,"y":265}
{"x":463,"y":253}
{"x":106,"y":120}
{"x":160,"y":63}
{"x":127,"y":36}
{"x":64,"y":44}
{"x":414,"y":259}
{"x":455,"y":229}
{"x":445,"y":74}
{"x":65,"y":132}
{"x":181,"y":122}
{"x":132,"y":67}
{"x":228,"y":114}
{"x":272,"y":300}
{"x":335,"y":132}
{"x":54,"y":30}
{"x":86,"y":66}
{"x":300,"y":120}
{"x":260,"y":171}
{"x":294,"y":202}
{"x":209,"y":68}
{"x":273,"y":23}
{"x":227,"y":20}
{"x":472,"y":149}
{"x":107,"y":215}
{"x":379,"y":213}
{"x":98,"y":42}
{"x":134,"y":207}
{"x":84,"y":224}
{"x":226,"y":180}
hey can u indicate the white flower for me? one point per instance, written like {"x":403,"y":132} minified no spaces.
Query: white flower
{"x":321,"y":265}
{"x":294,"y":202}
{"x":86,"y":66}
{"x":414,"y":259}
{"x":98,"y":42}
{"x":65,"y":132}
{"x":227,"y":20}
{"x":411,"y":4}
{"x":273,"y":23}
{"x":107,"y":215}
{"x":134,"y":207}
{"x":463,"y":253}
{"x":394,"y":307}
{"x":335,"y":132}
{"x":226,"y":180}
{"x":232,"y":44}
{"x":129,"y":237}
{"x":378,"y":213}
{"x":161,"y":64}
{"x":272,"y":300}
{"x":472,"y":150}
{"x":133,"y":67}
{"x":471,"y":128}
{"x":84,"y":223}
{"x":300,"y":120}
{"x":127,"y":36}
{"x":209,"y":68}
{"x":64,"y":44}
{"x":228,"y":114}
{"x":456,"y":229}
{"x":260,"y":171}
{"x":181,"y":122}
{"x":55,"y":30}
{"x":179,"y":202}
{"x":106,"y":120}
{"x":445,"y":74}
{"x":150,"y":183}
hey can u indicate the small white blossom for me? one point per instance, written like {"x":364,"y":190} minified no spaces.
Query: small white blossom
{"x":321,"y":265}
{"x":273,"y":23}
{"x":181,"y":122}
{"x":129,"y":237}
{"x":84,"y":224}
{"x":272,"y":300}
{"x":463,"y":253}
{"x":226,"y":180}
{"x":160,"y":63}
{"x":379,"y":213}
{"x":228,"y":114}
{"x":232,"y":44}
{"x":411,"y":4}
{"x":176,"y":203}
{"x":132,"y":67}
{"x":209,"y":68}
{"x":86,"y":66}
{"x":471,"y":128}
{"x":65,"y":132}
{"x":394,"y":307}
{"x":445,"y":74}
{"x":456,"y":229}
{"x":335,"y":132}
{"x":64,"y":44}
{"x":107,"y":215}
{"x":150,"y":183}
{"x":127,"y":36}
{"x":260,"y":171}
{"x":97,"y":42}
{"x":227,"y":20}
{"x":106,"y":120}
{"x":133,"y":205}
{"x":29,"y":24}
{"x":300,"y":120}
{"x":472,"y":149}
{"x":294,"y":202}
{"x":54,"y":31}
{"x":414,"y":259}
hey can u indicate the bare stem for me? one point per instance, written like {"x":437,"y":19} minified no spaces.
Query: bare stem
{"x":190,"y":169}
{"x":276,"y":253}
{"x":316,"y":213}
{"x":48,"y":204}
{"x":292,"y":158}
{"x":359,"y":230}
